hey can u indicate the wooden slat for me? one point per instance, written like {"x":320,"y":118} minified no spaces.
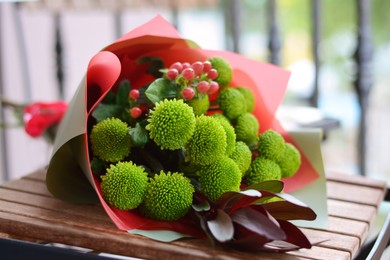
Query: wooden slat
{"x":321,"y":254}
{"x":356,"y":180}
{"x":28,"y":186}
{"x":349,"y":210}
{"x":354,"y":193}
{"x":28,"y":210}
{"x":348,"y":227}
{"x":336,"y":241}
{"x":39,"y":175}
{"x":95,"y":211}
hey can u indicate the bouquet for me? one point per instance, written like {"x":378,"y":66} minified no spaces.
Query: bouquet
{"x":169,"y":137}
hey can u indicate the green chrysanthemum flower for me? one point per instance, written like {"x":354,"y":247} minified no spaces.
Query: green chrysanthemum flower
{"x":247,"y":128}
{"x":208,"y":143}
{"x":200,"y":104}
{"x":124,"y":185}
{"x":110,"y":140}
{"x":249,"y":98}
{"x":225,"y":73}
{"x":231,"y":102}
{"x":271,"y":145}
{"x":242,"y":156}
{"x":219,"y":177}
{"x":230,"y":134}
{"x":290,"y":161}
{"x":171,"y":124}
{"x":263,"y":169}
{"x":169,"y":197}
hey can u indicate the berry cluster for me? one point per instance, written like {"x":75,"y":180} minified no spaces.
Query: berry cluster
{"x":197,"y":77}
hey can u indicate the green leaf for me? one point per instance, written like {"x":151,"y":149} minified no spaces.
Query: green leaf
{"x":104,"y":111}
{"x":161,"y":89}
{"x":139,"y":136}
{"x":271,"y":186}
{"x":156,"y":64}
{"x":97,"y":166}
{"x":122,"y":94}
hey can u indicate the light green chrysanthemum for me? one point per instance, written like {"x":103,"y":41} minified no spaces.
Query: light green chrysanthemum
{"x":249,"y":98}
{"x":208,"y":143}
{"x":171,"y":124}
{"x":231,"y":102}
{"x":219,"y":177}
{"x":200,"y":104}
{"x":290,"y":161}
{"x":230,"y":134}
{"x":263,"y":169}
{"x":110,"y":140}
{"x":242,"y":156}
{"x":271,"y":145}
{"x":225,"y":73}
{"x":247,"y":128}
{"x":169,"y":197}
{"x":124,"y":185}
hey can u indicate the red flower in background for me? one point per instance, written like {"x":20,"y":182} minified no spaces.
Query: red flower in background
{"x":40,"y":116}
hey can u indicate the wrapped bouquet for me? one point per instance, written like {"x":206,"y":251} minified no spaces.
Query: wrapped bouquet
{"x":177,"y":141}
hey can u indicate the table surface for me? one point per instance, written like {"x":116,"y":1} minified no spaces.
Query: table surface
{"x":29,"y":212}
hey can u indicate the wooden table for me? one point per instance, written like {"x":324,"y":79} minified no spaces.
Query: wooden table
{"x":29,"y":212}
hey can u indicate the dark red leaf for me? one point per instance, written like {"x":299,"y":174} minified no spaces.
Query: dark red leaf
{"x":286,"y":210}
{"x":259,"y":223}
{"x":294,"y":235}
{"x":245,"y":239}
{"x":229,"y":199}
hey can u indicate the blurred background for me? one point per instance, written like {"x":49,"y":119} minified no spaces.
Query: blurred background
{"x":338,"y":53}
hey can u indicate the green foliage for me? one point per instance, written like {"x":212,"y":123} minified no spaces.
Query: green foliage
{"x":225,"y":73}
{"x":231,"y":102}
{"x":247,"y":128}
{"x":124,"y":185}
{"x":263,"y":169}
{"x":208,"y":143}
{"x":290,"y":161}
{"x":161,"y":89}
{"x":271,"y":145}
{"x":219,"y":177}
{"x":171,"y":124}
{"x":110,"y":140}
{"x":169,"y":196}
{"x":242,"y":156}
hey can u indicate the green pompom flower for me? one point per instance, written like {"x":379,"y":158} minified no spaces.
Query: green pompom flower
{"x":171,"y":124}
{"x":208,"y":143}
{"x":219,"y":177}
{"x":249,"y":98}
{"x":242,"y":156}
{"x":271,"y":145}
{"x":169,"y":196}
{"x":290,"y":161}
{"x":231,"y":102}
{"x":263,"y":169}
{"x":124,"y":185}
{"x":110,"y":140}
{"x":230,"y":134}
{"x":247,"y":128}
{"x":225,"y":72}
{"x":200,"y":104}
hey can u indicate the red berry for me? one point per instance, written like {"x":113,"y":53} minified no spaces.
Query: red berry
{"x":214,"y":87}
{"x":135,"y":112}
{"x":188,"y":93}
{"x":188,"y":73}
{"x":186,"y":65}
{"x":203,"y":86}
{"x":172,"y":74}
{"x":198,"y":67}
{"x":212,"y":74}
{"x":207,"y":66}
{"x":134,"y":94}
{"x":177,"y":65}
